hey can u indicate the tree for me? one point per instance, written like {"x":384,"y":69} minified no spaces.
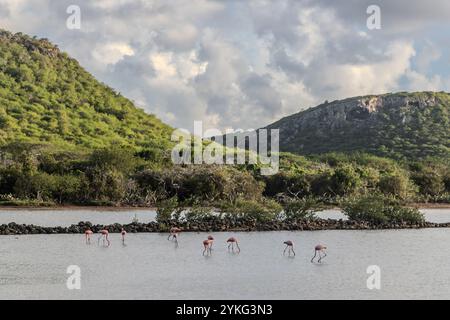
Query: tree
{"x":396,"y":184}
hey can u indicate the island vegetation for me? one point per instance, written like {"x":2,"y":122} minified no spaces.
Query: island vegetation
{"x":67,"y":139}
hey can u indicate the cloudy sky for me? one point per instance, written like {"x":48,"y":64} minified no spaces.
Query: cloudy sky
{"x":243,"y":64}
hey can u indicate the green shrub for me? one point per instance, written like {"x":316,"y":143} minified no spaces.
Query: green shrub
{"x":398,"y":214}
{"x":166,"y":209}
{"x":396,"y":184}
{"x":197,"y":213}
{"x":199,"y":183}
{"x":303,"y":208}
{"x":264,"y":210}
{"x":345,"y":180}
{"x":288,"y":184}
{"x":430,"y":182}
{"x":378,"y":209}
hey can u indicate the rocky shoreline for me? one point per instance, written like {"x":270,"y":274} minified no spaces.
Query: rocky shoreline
{"x":214,"y":225}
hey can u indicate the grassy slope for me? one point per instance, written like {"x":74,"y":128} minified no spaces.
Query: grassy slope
{"x":47,"y":97}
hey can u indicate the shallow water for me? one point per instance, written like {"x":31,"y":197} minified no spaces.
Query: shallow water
{"x":151,"y":267}
{"x":52,"y":218}
{"x":414,"y":264}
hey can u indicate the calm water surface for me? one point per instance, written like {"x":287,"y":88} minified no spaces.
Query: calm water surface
{"x":52,"y":218}
{"x":414,"y":264}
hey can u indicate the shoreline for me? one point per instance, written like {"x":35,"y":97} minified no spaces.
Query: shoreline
{"x":216,"y":225}
{"x":430,"y":205}
{"x":418,"y":205}
{"x":74,"y":208}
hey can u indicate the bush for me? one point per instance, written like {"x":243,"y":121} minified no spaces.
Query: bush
{"x":197,"y":213}
{"x":199,"y":183}
{"x":166,"y":209}
{"x":287,"y":184}
{"x":104,"y":184}
{"x":38,"y":186}
{"x":397,"y":214}
{"x":396,"y":184}
{"x":345,"y":180}
{"x":430,"y":182}
{"x":378,"y":209}
{"x":8,"y":178}
{"x":304,"y":208}
{"x":261,"y":211}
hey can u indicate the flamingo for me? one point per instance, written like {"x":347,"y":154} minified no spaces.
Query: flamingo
{"x":123,"y":233}
{"x":104,"y":236}
{"x":87,"y":235}
{"x":318,"y":249}
{"x":173,"y":233}
{"x":211,"y":238}
{"x":289,"y":246}
{"x":207,"y":245}
{"x":231,"y":241}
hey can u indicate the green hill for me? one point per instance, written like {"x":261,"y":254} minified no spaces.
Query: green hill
{"x":47,"y":97}
{"x":397,"y":125}
{"x":65,"y":138}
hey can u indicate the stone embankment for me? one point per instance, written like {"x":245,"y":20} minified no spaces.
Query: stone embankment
{"x":215,"y":225}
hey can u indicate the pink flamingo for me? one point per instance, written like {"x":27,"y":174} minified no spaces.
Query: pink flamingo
{"x":211,"y":238}
{"x":289,"y":246}
{"x":231,"y":241}
{"x":123,"y":233}
{"x":88,"y":233}
{"x":173,"y":233}
{"x":319,"y":249}
{"x":104,"y":236}
{"x":207,"y":245}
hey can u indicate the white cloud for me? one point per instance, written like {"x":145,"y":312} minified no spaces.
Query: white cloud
{"x":162,"y":63}
{"x":377,"y":77}
{"x":429,"y":53}
{"x":111,"y":53}
{"x":243,"y":64}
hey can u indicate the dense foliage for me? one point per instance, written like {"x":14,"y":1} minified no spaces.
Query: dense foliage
{"x":396,"y":125}
{"x":46,"y":97}
{"x":377,"y":209}
{"x":65,"y":138}
{"x":122,"y":176}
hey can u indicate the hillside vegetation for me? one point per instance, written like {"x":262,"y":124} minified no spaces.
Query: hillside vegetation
{"x":65,"y":138}
{"x":46,"y":97}
{"x":396,"y":125}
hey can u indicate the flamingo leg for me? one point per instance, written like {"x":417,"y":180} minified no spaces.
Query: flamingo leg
{"x":237,"y":245}
{"x":320,"y":258}
{"x":285,"y":250}
{"x":204,"y":251}
{"x":315,"y":253}
{"x":293,"y":250}
{"x":229,"y":246}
